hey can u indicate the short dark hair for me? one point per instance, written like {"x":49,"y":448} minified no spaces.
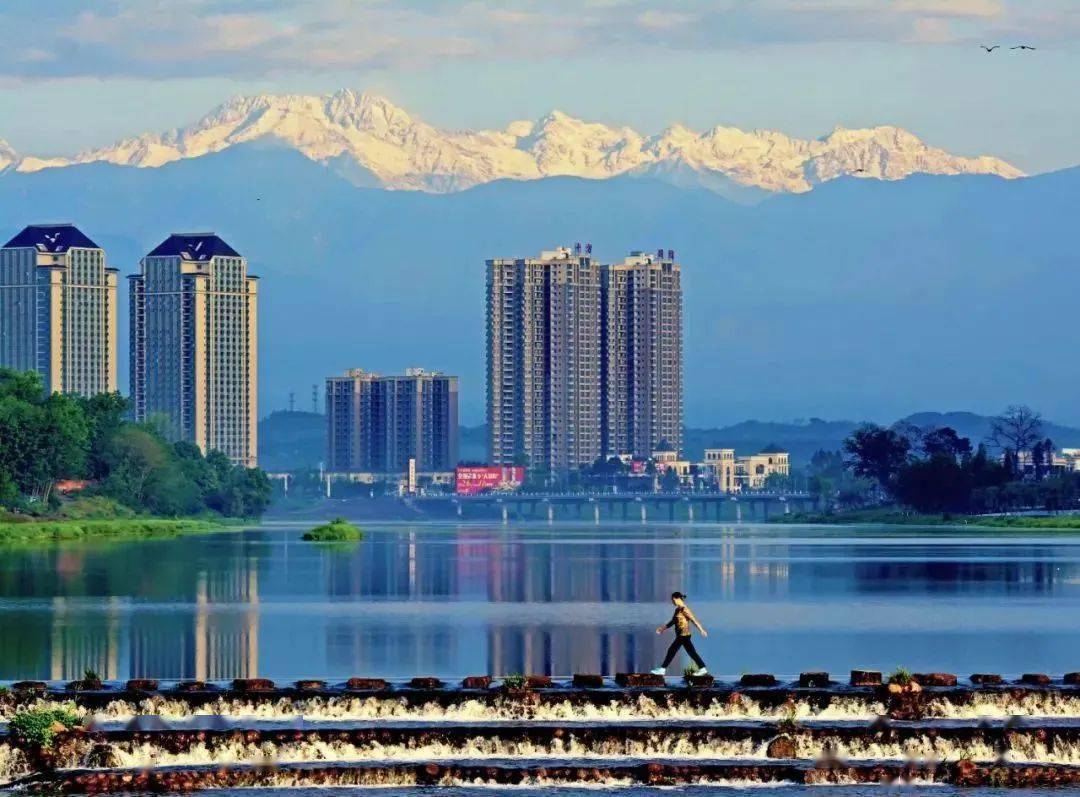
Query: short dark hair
{"x":677,"y":594}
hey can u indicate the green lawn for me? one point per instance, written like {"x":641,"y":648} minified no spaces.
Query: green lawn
{"x":893,"y":517}
{"x":112,"y":528}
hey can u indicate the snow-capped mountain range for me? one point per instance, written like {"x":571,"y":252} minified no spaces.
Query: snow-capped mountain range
{"x":372,"y":142}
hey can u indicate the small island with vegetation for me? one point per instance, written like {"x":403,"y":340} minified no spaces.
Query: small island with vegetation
{"x":74,"y":468}
{"x":337,"y":530}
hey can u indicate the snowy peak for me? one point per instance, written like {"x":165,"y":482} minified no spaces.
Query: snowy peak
{"x":362,"y":133}
{"x":7,"y":155}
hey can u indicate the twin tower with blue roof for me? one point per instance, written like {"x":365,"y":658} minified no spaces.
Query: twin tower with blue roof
{"x":193,"y":320}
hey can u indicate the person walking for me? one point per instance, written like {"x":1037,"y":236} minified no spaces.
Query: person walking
{"x":682,"y":619}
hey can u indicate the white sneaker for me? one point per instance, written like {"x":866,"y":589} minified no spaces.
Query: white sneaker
{"x":659,"y":671}
{"x":700,"y":672}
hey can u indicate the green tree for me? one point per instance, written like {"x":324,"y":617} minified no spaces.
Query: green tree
{"x":104,"y":417}
{"x":945,"y":442}
{"x":877,"y":454}
{"x":25,"y":386}
{"x":936,"y":484}
{"x":135,"y":455}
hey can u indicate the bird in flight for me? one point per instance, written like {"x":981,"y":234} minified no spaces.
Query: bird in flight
{"x":1022,"y":47}
{"x":989,"y":49}
{"x":860,"y":171}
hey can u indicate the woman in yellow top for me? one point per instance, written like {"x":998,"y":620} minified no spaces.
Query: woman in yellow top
{"x":682,"y":619}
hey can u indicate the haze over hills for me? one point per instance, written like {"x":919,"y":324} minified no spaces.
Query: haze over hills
{"x":859,"y":299}
{"x":372,"y":142}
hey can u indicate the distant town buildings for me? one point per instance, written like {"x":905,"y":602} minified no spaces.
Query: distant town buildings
{"x":641,"y":365}
{"x":543,"y":360}
{"x":733,"y":474}
{"x":583,"y":360}
{"x":389,"y":424}
{"x":58,"y":309}
{"x":194,"y":330}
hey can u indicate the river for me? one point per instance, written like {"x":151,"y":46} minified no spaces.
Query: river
{"x":454,"y":600}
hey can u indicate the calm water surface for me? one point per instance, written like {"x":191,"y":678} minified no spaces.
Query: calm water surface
{"x":453,"y":600}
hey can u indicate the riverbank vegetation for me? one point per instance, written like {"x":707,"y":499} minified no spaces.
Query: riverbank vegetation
{"x":21,"y":530}
{"x":908,"y":475}
{"x":337,"y":530}
{"x":56,"y":446}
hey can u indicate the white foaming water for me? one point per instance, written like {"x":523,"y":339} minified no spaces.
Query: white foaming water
{"x":13,"y":763}
{"x":659,"y":745}
{"x":1002,"y":705}
{"x":644,"y":708}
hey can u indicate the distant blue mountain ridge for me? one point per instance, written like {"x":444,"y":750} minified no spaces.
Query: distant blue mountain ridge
{"x":861,"y":299}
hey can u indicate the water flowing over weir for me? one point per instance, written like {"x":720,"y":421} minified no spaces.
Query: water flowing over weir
{"x":639,"y":733}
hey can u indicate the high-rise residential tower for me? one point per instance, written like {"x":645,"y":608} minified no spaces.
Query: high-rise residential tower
{"x":642,"y":356}
{"x":543,"y":360}
{"x":194,"y":332}
{"x":58,"y":309}
{"x":376,"y":424}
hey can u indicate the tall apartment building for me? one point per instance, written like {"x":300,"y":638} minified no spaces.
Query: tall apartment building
{"x":376,"y":424}
{"x":543,"y":360}
{"x":642,"y":355}
{"x":194,"y":331}
{"x":58,"y":309}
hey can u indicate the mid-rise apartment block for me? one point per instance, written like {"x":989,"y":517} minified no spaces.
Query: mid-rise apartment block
{"x":377,"y":424}
{"x":642,"y":355}
{"x":194,"y":332}
{"x":58,"y":309}
{"x":543,"y":360}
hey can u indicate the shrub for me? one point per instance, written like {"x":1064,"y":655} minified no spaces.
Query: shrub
{"x":515,"y":681}
{"x":901,"y":676}
{"x":337,"y":530}
{"x":96,"y":507}
{"x":39,"y":726}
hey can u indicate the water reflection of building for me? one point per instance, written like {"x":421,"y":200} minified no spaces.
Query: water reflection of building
{"x":82,"y":643}
{"x":399,"y":568}
{"x":567,"y":649}
{"x":227,"y":646}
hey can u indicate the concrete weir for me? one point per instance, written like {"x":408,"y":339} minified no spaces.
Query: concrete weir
{"x":632,"y":729}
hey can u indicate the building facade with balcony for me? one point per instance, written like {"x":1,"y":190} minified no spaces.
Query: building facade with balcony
{"x":194,"y":336}
{"x":58,"y":309}
{"x":378,"y":424}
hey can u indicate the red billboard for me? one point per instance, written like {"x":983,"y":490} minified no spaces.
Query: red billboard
{"x":474,"y":479}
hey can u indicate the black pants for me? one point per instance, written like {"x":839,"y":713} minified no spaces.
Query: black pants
{"x":686,"y":643}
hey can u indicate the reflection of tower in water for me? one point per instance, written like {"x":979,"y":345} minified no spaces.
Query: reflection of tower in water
{"x":227,"y":645}
{"x":601,"y":575}
{"x":83,"y":643}
{"x":217,"y":641}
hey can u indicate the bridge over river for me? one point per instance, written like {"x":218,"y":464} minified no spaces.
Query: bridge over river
{"x":689,"y":507}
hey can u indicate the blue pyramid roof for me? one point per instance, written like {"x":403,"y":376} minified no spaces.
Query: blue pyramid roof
{"x":51,"y":238}
{"x":193,"y":246}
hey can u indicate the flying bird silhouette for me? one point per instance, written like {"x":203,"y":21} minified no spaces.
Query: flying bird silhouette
{"x":989,"y":49}
{"x":1022,"y":47}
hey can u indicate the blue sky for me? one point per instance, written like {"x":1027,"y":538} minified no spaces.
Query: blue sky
{"x":94,"y":71}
